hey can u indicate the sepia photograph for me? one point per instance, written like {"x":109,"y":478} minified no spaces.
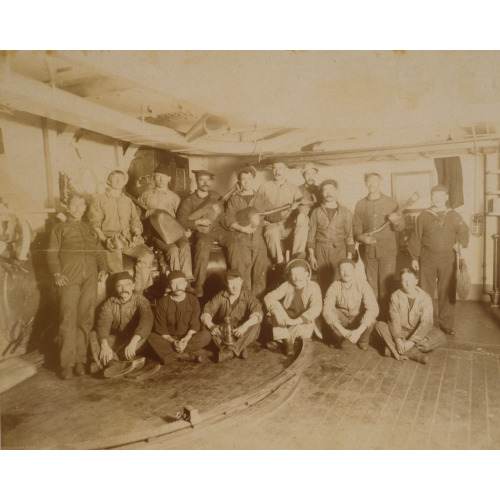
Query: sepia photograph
{"x":249,"y":250}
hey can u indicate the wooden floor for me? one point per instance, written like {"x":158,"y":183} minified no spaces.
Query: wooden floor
{"x":346,"y":399}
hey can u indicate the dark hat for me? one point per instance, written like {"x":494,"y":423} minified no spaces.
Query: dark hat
{"x":248,"y":170}
{"x":173,"y":275}
{"x":198,"y":173}
{"x":232,"y":273}
{"x":346,"y":261}
{"x":439,"y":187}
{"x":298,"y":263}
{"x":124,"y":275}
{"x":117,"y":171}
{"x":163,"y":169}
{"x":370,"y":174}
{"x":328,"y":181}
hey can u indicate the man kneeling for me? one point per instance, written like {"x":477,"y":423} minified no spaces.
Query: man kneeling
{"x":177,"y":326}
{"x":410,"y":332}
{"x":350,"y":307}
{"x":240,"y":311}
{"x":294,"y":306}
{"x":123,"y":325}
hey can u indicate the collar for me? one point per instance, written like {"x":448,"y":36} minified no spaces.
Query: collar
{"x":225,"y":294}
{"x":374,"y":199}
{"x":348,"y":286}
{"x":430,"y":210}
{"x":109,"y":195}
{"x":118,"y":301}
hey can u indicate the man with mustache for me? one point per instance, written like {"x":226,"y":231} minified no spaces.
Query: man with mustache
{"x":177,"y":328}
{"x":277,"y":193}
{"x":123,"y":325}
{"x":115,"y":218}
{"x":77,"y":262}
{"x":294,"y":306}
{"x":207,"y":229}
{"x":330,"y":236}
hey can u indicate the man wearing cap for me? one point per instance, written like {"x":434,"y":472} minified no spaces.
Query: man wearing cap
{"x":178,"y":254}
{"x":277,"y":193}
{"x":239,"y":308}
{"x":177,"y":327}
{"x":116,"y":220}
{"x":310,"y":190}
{"x":410,"y":333}
{"x":77,"y":261}
{"x":294,"y":306}
{"x":249,"y":248}
{"x":350,"y":308}
{"x":330,"y":236}
{"x":123,"y":325}
{"x":206,"y":228}
{"x":378,"y":251}
{"x":439,"y":231}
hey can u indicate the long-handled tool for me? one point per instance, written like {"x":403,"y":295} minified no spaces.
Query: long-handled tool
{"x":463,"y":278}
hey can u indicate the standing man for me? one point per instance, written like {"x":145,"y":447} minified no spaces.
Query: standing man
{"x":178,"y":254}
{"x":239,"y":308}
{"x":249,"y":248}
{"x":116,"y":220}
{"x":123,"y":325}
{"x":438,"y":233}
{"x":350,"y":308}
{"x":410,"y":332}
{"x":310,"y":190}
{"x":177,"y":327}
{"x":379,"y":251}
{"x":277,"y":193}
{"x":206,"y":228}
{"x":294,"y":306}
{"x":330,"y":236}
{"x":77,"y":261}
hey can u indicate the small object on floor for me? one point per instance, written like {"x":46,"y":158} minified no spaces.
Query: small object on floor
{"x":289,"y":348}
{"x":190,"y":356}
{"x":448,"y":331}
{"x":122,"y":368}
{"x":150,"y":369}
{"x":244,"y":353}
{"x":66,"y":373}
{"x":224,"y":355}
{"x":272,"y":344}
{"x":417,"y":356}
{"x":79,"y":369}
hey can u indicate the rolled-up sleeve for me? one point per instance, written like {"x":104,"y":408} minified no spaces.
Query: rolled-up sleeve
{"x":213,"y":305}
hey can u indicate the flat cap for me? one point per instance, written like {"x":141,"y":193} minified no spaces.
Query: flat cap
{"x":309,"y":166}
{"x":233,"y":273}
{"x":163,"y":169}
{"x":328,"y":181}
{"x":173,"y":275}
{"x":123,"y":275}
{"x":198,"y":173}
{"x":248,"y":170}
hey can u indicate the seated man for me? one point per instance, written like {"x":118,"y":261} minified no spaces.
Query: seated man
{"x":294,"y":306}
{"x":123,"y":325}
{"x":178,"y":254}
{"x":236,"y":307}
{"x":115,"y":219}
{"x":177,"y":326}
{"x":410,"y":332}
{"x":350,"y":308}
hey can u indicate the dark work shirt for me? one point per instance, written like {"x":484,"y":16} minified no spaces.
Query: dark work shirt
{"x":177,"y":318}
{"x":192,"y":202}
{"x":245,"y":305}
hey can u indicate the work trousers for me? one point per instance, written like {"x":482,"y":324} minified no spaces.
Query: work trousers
{"x":291,"y":333}
{"x":244,"y":341}
{"x":143,"y":256}
{"x":380,"y":274}
{"x":444,"y":272}
{"x":177,"y":255}
{"x":165,"y":351}
{"x":202,"y":248}
{"x":351,"y":323}
{"x":248,"y":254}
{"x":433,"y":339}
{"x":76,"y":316}
{"x":328,"y":258}
{"x":117,"y":341}
{"x":274,"y":233}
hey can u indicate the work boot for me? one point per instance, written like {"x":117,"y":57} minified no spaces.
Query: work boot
{"x":289,"y":348}
{"x":66,"y":373}
{"x":244,"y":353}
{"x":272,"y":344}
{"x":417,"y":355}
{"x":79,"y":369}
{"x":224,"y":355}
{"x":189,"y":356}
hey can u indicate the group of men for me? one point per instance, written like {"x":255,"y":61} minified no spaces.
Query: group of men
{"x":251,"y":224}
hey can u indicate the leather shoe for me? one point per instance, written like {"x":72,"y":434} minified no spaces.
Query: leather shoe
{"x":448,"y":331}
{"x":417,"y":356}
{"x":362,"y":346}
{"x":67,"y":373}
{"x":289,"y":348}
{"x":224,"y":355}
{"x":244,"y":354}
{"x":189,"y":356}
{"x":79,"y":369}
{"x":272,"y":344}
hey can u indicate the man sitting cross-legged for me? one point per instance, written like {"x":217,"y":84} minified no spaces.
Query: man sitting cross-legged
{"x":177,"y":326}
{"x":238,"y":308}
{"x":410,"y":332}
{"x":294,"y":306}
{"x":123,"y":325}
{"x":350,"y":307}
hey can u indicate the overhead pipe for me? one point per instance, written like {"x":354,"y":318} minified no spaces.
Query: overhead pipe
{"x":210,"y":125}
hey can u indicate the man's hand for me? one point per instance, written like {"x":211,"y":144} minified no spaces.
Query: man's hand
{"x":102,"y":276}
{"x":137,"y":239}
{"x":415,"y":265}
{"x":408,"y":345}
{"x":215,"y":331}
{"x":131,"y":348}
{"x":239,"y":331}
{"x":281,"y":317}
{"x":248,"y":229}
{"x":204,"y":222}
{"x":356,"y":334}
{"x":313,"y":262}
{"x":367,"y":239}
{"x":294,"y":205}
{"x":393,"y":217}
{"x":188,"y":233}
{"x":60,"y":280}
{"x":106,"y":354}
{"x":400,"y":346}
{"x":180,"y":345}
